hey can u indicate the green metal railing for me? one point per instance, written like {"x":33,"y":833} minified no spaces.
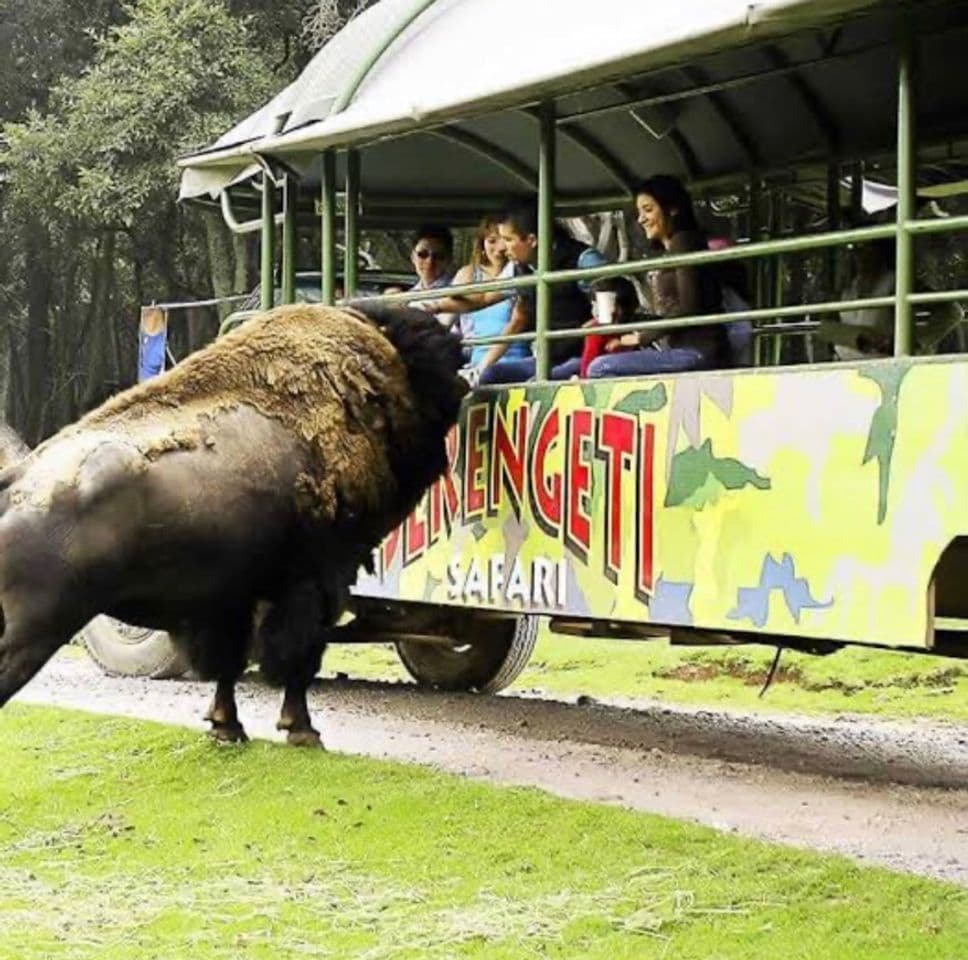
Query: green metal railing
{"x":328,"y":252}
{"x":906,"y":191}
{"x":289,"y":194}
{"x":268,"y":241}
{"x":351,"y":222}
{"x":748,"y":251}
{"x":768,"y":285}
{"x":546,"y":222}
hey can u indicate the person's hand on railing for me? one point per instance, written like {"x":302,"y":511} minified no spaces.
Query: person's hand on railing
{"x":428,"y":306}
{"x":471,"y":375}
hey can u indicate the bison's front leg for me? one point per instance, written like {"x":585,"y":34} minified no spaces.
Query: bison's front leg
{"x":295,"y":718}
{"x":292,"y":639}
{"x":217,"y":651}
{"x":223,"y":715}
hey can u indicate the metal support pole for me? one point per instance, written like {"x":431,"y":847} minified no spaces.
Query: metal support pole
{"x":856,"y":193}
{"x":328,"y":254}
{"x":546,"y":221}
{"x":781,"y":228}
{"x":755,"y":219}
{"x":351,"y":224}
{"x":779,"y":222}
{"x":289,"y":195}
{"x":833,"y":223}
{"x":267,"y":246}
{"x":753,"y":224}
{"x":906,"y":187}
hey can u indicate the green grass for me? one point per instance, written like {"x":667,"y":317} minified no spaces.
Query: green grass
{"x":853,"y":680}
{"x":129,"y":840}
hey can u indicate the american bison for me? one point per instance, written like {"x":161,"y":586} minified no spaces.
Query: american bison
{"x":232,"y":500}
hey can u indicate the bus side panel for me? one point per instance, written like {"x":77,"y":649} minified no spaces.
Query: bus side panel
{"x":809,"y":502}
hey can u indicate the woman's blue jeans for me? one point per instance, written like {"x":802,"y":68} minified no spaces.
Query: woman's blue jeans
{"x":628,"y":364}
{"x":517,"y":371}
{"x":649,"y":360}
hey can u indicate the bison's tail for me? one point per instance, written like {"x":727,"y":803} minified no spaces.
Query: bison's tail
{"x":431,"y":353}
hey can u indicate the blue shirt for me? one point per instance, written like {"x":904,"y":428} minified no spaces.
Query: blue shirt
{"x":151,"y":354}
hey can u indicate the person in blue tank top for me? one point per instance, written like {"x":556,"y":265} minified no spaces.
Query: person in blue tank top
{"x":484,"y":315}
{"x":488,"y":262}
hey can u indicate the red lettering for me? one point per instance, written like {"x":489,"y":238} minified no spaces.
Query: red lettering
{"x":508,"y":459}
{"x":474,"y":471}
{"x":414,"y":534}
{"x":545,"y":490}
{"x":644,"y":513}
{"x":450,"y":495}
{"x":435,"y":507}
{"x":388,"y":550}
{"x":616,"y":444}
{"x":578,"y":527}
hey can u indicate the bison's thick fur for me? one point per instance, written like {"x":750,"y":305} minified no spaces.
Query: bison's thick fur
{"x":232,"y":499}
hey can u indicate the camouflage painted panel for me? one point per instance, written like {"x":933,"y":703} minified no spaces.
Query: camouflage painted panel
{"x":810,"y":502}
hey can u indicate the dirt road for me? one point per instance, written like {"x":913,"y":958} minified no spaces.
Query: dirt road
{"x":886,"y":793}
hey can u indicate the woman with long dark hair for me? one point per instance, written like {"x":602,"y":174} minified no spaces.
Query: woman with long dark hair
{"x":666,"y":214}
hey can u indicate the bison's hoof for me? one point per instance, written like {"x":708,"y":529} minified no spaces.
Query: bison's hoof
{"x":228,"y":733}
{"x":304,"y":738}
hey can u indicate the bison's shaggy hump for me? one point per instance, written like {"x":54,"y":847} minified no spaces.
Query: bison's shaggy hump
{"x":330,"y":376}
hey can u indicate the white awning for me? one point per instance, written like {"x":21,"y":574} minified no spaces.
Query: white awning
{"x":464,"y":66}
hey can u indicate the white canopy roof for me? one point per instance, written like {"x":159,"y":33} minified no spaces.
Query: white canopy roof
{"x":470,"y":69}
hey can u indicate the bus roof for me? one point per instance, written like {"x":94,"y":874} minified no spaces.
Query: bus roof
{"x":467,"y":72}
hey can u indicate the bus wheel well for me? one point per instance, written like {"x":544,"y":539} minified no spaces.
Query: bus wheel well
{"x":949,"y":599}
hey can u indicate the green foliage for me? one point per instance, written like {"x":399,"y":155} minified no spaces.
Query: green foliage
{"x":88,"y":181}
{"x":42,"y":42}
{"x":172,"y":78}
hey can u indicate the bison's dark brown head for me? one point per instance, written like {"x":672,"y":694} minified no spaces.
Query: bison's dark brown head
{"x":432,"y":356}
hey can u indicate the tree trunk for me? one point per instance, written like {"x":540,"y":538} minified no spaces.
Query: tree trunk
{"x":37,"y":369}
{"x":244,"y":267}
{"x":222,"y":260}
{"x":99,"y":343}
{"x":15,"y":407}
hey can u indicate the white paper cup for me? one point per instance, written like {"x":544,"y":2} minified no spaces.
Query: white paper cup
{"x":605,"y":306}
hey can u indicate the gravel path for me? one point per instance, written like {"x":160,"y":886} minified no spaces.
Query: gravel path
{"x":887,"y":793}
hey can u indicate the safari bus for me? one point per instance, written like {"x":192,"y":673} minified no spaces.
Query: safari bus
{"x":804,"y":496}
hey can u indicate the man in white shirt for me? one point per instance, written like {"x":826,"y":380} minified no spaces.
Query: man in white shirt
{"x":868,"y":331}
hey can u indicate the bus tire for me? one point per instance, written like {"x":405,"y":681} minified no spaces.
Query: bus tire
{"x":123,"y":650}
{"x":493,"y":655}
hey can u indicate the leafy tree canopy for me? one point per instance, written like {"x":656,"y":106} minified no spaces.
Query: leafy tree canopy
{"x":171,"y":78}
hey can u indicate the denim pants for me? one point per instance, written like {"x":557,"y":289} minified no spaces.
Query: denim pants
{"x":517,"y":371}
{"x":649,"y":360}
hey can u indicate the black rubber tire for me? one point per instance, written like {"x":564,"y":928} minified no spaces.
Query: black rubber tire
{"x":122,"y":650}
{"x":494,"y":653}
